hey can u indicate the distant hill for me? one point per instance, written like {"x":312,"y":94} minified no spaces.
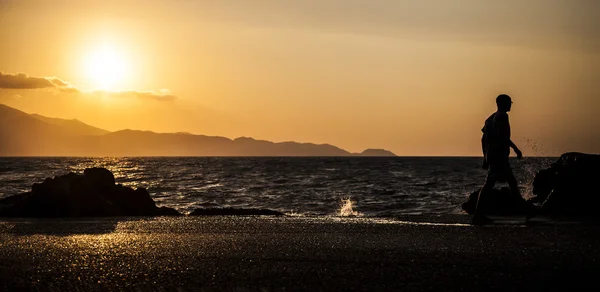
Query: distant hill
{"x":73,"y":126}
{"x":23,"y":134}
{"x":376,"y":152}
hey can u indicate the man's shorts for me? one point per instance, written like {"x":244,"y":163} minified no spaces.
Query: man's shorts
{"x":500,"y":172}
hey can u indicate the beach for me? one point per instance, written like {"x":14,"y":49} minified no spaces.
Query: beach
{"x":283,"y":253}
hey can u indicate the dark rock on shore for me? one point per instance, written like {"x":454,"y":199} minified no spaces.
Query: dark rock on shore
{"x":233,"y":211}
{"x":92,"y":193}
{"x":570,"y":186}
{"x":499,"y":202}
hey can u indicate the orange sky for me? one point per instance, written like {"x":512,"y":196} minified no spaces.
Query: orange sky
{"x":413,"y":77}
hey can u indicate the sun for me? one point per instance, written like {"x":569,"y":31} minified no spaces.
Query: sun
{"x":106,"y":68}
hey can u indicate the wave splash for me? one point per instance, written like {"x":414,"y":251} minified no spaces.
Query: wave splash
{"x":347,"y":210}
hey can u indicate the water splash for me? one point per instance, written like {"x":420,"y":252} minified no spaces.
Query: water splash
{"x":530,"y":172}
{"x":294,"y":214}
{"x":531,"y":169}
{"x":346,"y":208}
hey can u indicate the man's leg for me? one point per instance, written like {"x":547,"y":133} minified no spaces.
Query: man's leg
{"x":513,"y":184}
{"x":479,"y":215}
{"x":483,"y":194}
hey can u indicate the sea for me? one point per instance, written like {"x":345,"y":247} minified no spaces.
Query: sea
{"x":302,"y":186}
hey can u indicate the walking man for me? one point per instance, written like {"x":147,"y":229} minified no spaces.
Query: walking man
{"x":496,"y":145}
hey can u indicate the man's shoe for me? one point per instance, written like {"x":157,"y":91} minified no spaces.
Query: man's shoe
{"x":481,"y":220}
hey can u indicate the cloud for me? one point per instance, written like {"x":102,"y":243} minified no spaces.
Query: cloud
{"x":23,"y":81}
{"x":163,"y":95}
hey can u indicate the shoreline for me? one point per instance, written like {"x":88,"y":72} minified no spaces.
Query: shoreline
{"x":427,"y":218}
{"x":278,"y":253}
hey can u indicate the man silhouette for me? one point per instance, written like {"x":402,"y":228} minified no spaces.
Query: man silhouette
{"x":496,"y":145}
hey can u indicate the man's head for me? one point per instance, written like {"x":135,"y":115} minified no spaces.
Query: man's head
{"x":504,"y":102}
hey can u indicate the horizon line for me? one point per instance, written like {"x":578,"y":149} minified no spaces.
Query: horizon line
{"x":268,"y":156}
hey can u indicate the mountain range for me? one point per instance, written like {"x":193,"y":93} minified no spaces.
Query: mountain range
{"x":23,"y":134}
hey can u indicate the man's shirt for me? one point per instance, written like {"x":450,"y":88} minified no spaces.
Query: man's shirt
{"x":496,"y":131}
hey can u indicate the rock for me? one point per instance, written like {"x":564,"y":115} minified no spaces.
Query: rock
{"x":499,"y":202}
{"x":74,"y":195}
{"x":99,"y":177}
{"x":233,"y":211}
{"x":570,"y":186}
{"x":166,"y":211}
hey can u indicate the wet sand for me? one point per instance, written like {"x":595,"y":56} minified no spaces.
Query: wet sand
{"x":228,"y":253}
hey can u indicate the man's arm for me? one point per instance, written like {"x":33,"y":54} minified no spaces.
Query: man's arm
{"x":483,"y":143}
{"x":516,"y":149}
{"x":512,"y":145}
{"x":504,"y":132}
{"x":485,"y":164}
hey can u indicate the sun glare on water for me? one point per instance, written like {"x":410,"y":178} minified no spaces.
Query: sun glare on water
{"x":106,"y":68}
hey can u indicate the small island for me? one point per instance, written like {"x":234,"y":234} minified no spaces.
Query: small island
{"x":377,"y":153}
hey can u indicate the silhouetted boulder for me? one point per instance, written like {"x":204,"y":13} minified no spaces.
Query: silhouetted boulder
{"x":166,"y":211}
{"x":74,"y":195}
{"x":570,"y":186}
{"x":233,"y":211}
{"x":99,"y":177}
{"x":498,"y":202}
